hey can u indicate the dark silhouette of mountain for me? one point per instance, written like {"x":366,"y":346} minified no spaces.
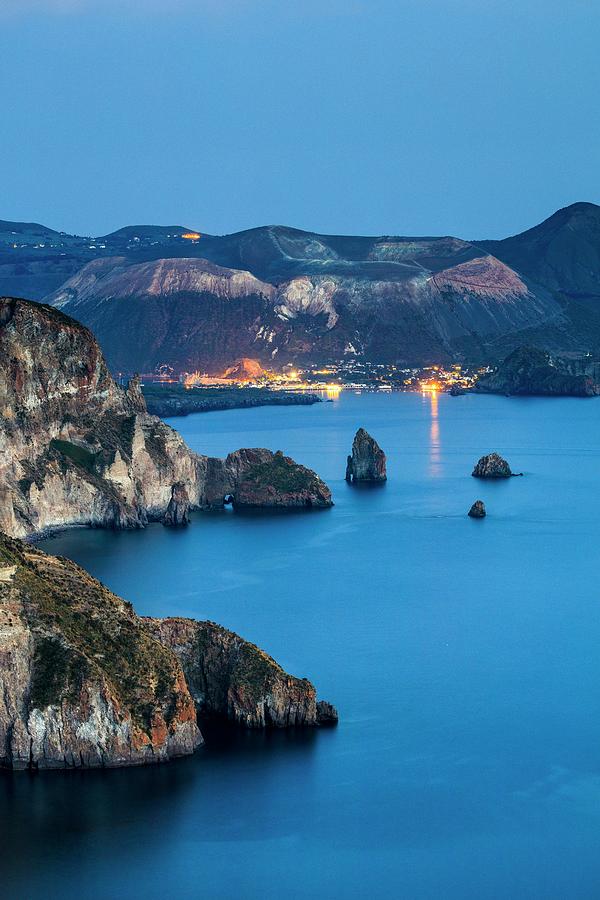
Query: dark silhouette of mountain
{"x":561,"y":254}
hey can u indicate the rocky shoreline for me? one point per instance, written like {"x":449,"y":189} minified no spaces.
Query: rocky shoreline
{"x":86,"y":683}
{"x":169,"y":401}
{"x":76,"y":449}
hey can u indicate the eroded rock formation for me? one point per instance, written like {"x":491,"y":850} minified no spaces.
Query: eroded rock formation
{"x":178,"y":510}
{"x":232,"y":678}
{"x":492,"y":466}
{"x":261,"y":478}
{"x":87,"y":683}
{"x":368,"y":461}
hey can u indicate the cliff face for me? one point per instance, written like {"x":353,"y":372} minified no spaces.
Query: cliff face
{"x":530,"y":371}
{"x":77,"y":449}
{"x":233,"y":679}
{"x":84,"y":683}
{"x":74,"y":447}
{"x":87,"y":683}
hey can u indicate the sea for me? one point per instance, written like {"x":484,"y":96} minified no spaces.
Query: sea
{"x":463,"y":656}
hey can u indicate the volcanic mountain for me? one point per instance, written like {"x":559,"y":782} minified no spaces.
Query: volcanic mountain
{"x":157,"y":295}
{"x":394,"y":301}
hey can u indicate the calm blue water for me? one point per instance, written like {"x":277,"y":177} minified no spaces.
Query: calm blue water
{"x":464,"y":658}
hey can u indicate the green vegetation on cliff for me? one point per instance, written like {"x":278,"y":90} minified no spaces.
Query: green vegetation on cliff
{"x":82,"y":631}
{"x":78,"y":455}
{"x":281,"y":473}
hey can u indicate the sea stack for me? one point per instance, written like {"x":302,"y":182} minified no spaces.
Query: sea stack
{"x":368,"y":461}
{"x":477,"y":511}
{"x":492,"y":466}
{"x":178,"y":510}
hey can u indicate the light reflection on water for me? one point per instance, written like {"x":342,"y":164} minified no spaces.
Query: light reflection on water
{"x":435,"y":456}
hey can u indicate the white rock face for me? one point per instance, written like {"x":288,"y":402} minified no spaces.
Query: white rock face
{"x":308,"y":296}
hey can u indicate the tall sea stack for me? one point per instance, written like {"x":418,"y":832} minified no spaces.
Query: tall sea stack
{"x":368,"y":462}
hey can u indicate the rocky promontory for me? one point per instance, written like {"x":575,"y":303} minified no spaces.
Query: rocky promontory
{"x":175,"y":400}
{"x":88,"y":683}
{"x":492,"y":466}
{"x":261,"y":478}
{"x":528,"y":371}
{"x":233,"y":679}
{"x":76,"y":449}
{"x":84,"y":684}
{"x":367,"y":462}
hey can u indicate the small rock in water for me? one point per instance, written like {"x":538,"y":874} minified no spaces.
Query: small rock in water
{"x":477,"y":511}
{"x":326,"y":713}
{"x":492,"y":466}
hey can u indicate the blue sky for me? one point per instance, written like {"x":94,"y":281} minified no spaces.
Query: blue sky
{"x":469,"y":117}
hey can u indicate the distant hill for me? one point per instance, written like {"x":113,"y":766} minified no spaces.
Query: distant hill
{"x":165,"y":294}
{"x":146,"y":233}
{"x":30,"y":230}
{"x":561,"y":254}
{"x":529,"y":371}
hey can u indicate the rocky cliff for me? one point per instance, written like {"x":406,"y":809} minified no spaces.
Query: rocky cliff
{"x":83,"y":681}
{"x":530,"y":371}
{"x":261,"y":478}
{"x":233,"y":679}
{"x":77,"y":449}
{"x":87,"y":683}
{"x":74,"y":447}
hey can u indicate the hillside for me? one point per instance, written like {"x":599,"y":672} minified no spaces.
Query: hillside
{"x":279,"y":294}
{"x":561,"y":254}
{"x":390,"y":307}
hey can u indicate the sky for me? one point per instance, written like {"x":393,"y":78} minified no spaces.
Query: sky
{"x":477,"y":118}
